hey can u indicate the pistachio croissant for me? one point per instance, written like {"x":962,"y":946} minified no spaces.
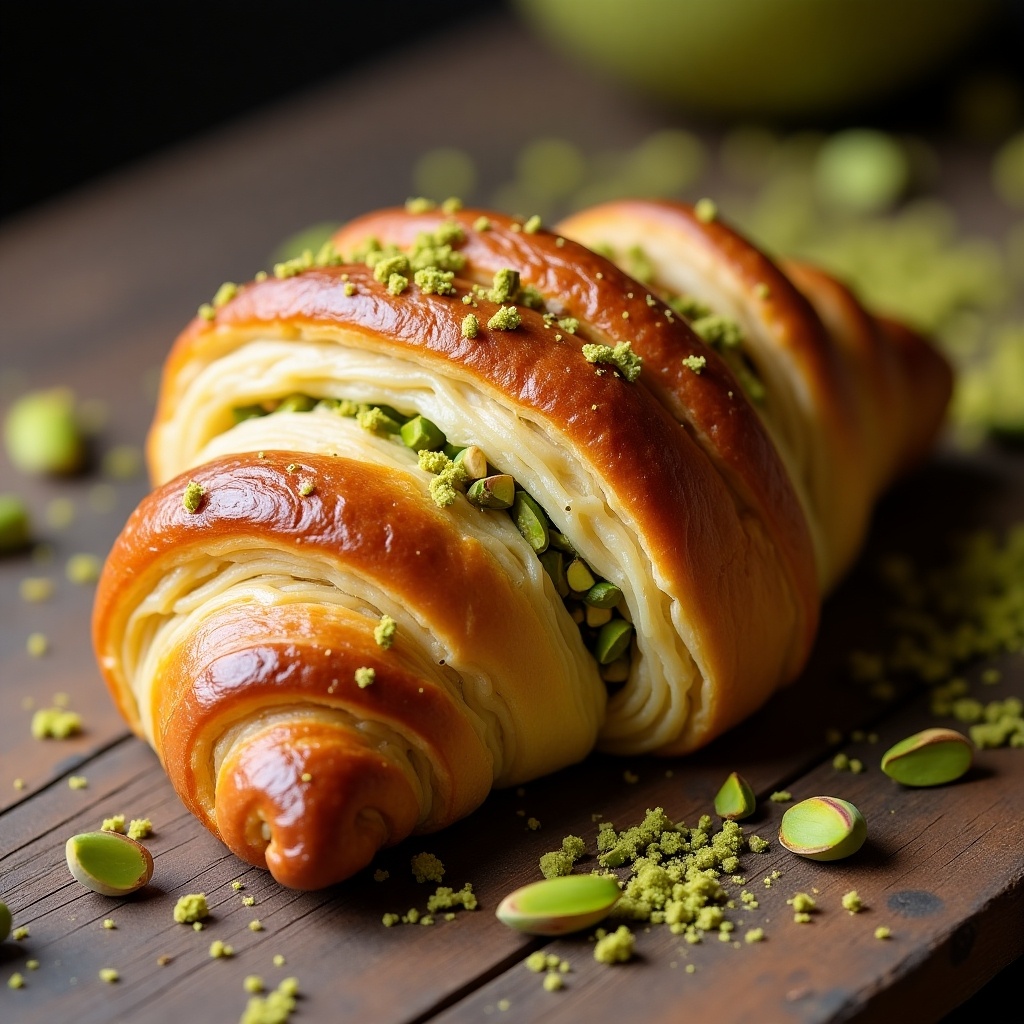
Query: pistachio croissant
{"x":458,"y":500}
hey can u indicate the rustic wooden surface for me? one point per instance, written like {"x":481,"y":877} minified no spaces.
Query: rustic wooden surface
{"x":92,"y":291}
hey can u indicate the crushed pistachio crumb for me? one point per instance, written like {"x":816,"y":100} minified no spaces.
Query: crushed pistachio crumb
{"x":380,"y":875}
{"x":253,"y":984}
{"x":56,"y":723}
{"x":278,"y":960}
{"x":191,"y":908}
{"x":109,"y":975}
{"x":553,"y":982}
{"x":852,"y":902}
{"x":20,"y":934}
{"x":560,"y":862}
{"x":533,"y":824}
{"x":192,"y":499}
{"x":384,"y":631}
{"x":781,"y":796}
{"x":507,"y":318}
{"x":32,"y":965}
{"x":445,"y":898}
{"x":695,"y":363}
{"x":705,"y":210}
{"x":364,"y":677}
{"x":220,"y":950}
{"x":882,"y":932}
{"x":306,"y":488}
{"x":614,"y":947}
{"x":621,"y":356}
{"x":482,"y":224}
{"x":114,"y":823}
{"x":248,"y":901}
{"x":426,"y":867}
{"x":108,"y":923}
{"x":37,"y":644}
{"x":470,"y":326}
{"x":390,"y":920}
{"x":255,"y":925}
{"x":36,"y":589}
{"x":77,"y":782}
{"x":533,"y":225}
{"x":758,"y":845}
{"x":419,"y":204}
{"x":802,"y":902}
{"x":140,"y":828}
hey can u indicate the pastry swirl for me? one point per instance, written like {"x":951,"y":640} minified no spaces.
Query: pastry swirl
{"x":715,"y":496}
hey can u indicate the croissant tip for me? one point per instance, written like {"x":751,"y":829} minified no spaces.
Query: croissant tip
{"x":312,"y":803}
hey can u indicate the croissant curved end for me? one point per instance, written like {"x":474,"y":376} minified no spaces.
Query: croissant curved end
{"x":311,"y":803}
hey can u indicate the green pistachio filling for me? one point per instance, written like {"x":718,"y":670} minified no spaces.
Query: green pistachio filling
{"x":595,"y":604}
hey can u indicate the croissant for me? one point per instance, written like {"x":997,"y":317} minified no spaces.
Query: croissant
{"x":460,"y":499}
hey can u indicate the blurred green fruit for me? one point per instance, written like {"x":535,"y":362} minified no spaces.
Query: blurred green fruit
{"x":750,"y":58}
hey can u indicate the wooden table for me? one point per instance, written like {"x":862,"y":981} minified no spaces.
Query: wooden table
{"x":93,"y":289}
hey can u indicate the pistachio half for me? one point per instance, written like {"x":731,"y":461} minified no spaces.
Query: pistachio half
{"x":613,"y":641}
{"x":531,"y":521}
{"x":496,"y":491}
{"x":557,"y":906}
{"x":929,"y":758}
{"x":419,"y":433}
{"x":823,"y":828}
{"x":735,"y":800}
{"x":108,"y":862}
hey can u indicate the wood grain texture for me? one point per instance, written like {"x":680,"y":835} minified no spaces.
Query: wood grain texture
{"x":92,"y":290}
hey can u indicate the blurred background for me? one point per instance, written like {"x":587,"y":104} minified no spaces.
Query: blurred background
{"x":884,"y":139}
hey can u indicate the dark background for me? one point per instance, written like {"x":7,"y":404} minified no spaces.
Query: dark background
{"x":86,"y":88}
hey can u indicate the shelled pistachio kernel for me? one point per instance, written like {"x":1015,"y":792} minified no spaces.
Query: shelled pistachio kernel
{"x":5,"y":921}
{"x":496,"y":491}
{"x":613,"y":641}
{"x":473,"y":461}
{"x":531,"y":521}
{"x":929,"y":758}
{"x":560,"y":905}
{"x":419,"y":433}
{"x":603,"y":595}
{"x":108,"y":862}
{"x":735,"y":800}
{"x":823,"y":828}
{"x":554,"y":565}
{"x":42,"y":433}
{"x":15,"y":532}
{"x":579,"y":576}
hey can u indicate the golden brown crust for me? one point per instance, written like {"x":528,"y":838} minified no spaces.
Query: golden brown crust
{"x":612,"y":307}
{"x":903,"y":382}
{"x":800,"y":346}
{"x":694,"y":528}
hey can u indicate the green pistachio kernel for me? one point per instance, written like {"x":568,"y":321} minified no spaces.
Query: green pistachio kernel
{"x":823,"y":828}
{"x":42,"y":433}
{"x":15,"y":532}
{"x":473,"y":461}
{"x":613,"y":641}
{"x":579,"y":576}
{"x":192,"y":498}
{"x":560,"y":541}
{"x":498,"y":491}
{"x":735,"y":800}
{"x":929,"y":758}
{"x":5,"y":921}
{"x":108,"y":862}
{"x":296,"y":403}
{"x":240,"y":413}
{"x":554,"y":565}
{"x":531,"y":521}
{"x":560,"y":905}
{"x":419,"y":433}
{"x":603,"y":595}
